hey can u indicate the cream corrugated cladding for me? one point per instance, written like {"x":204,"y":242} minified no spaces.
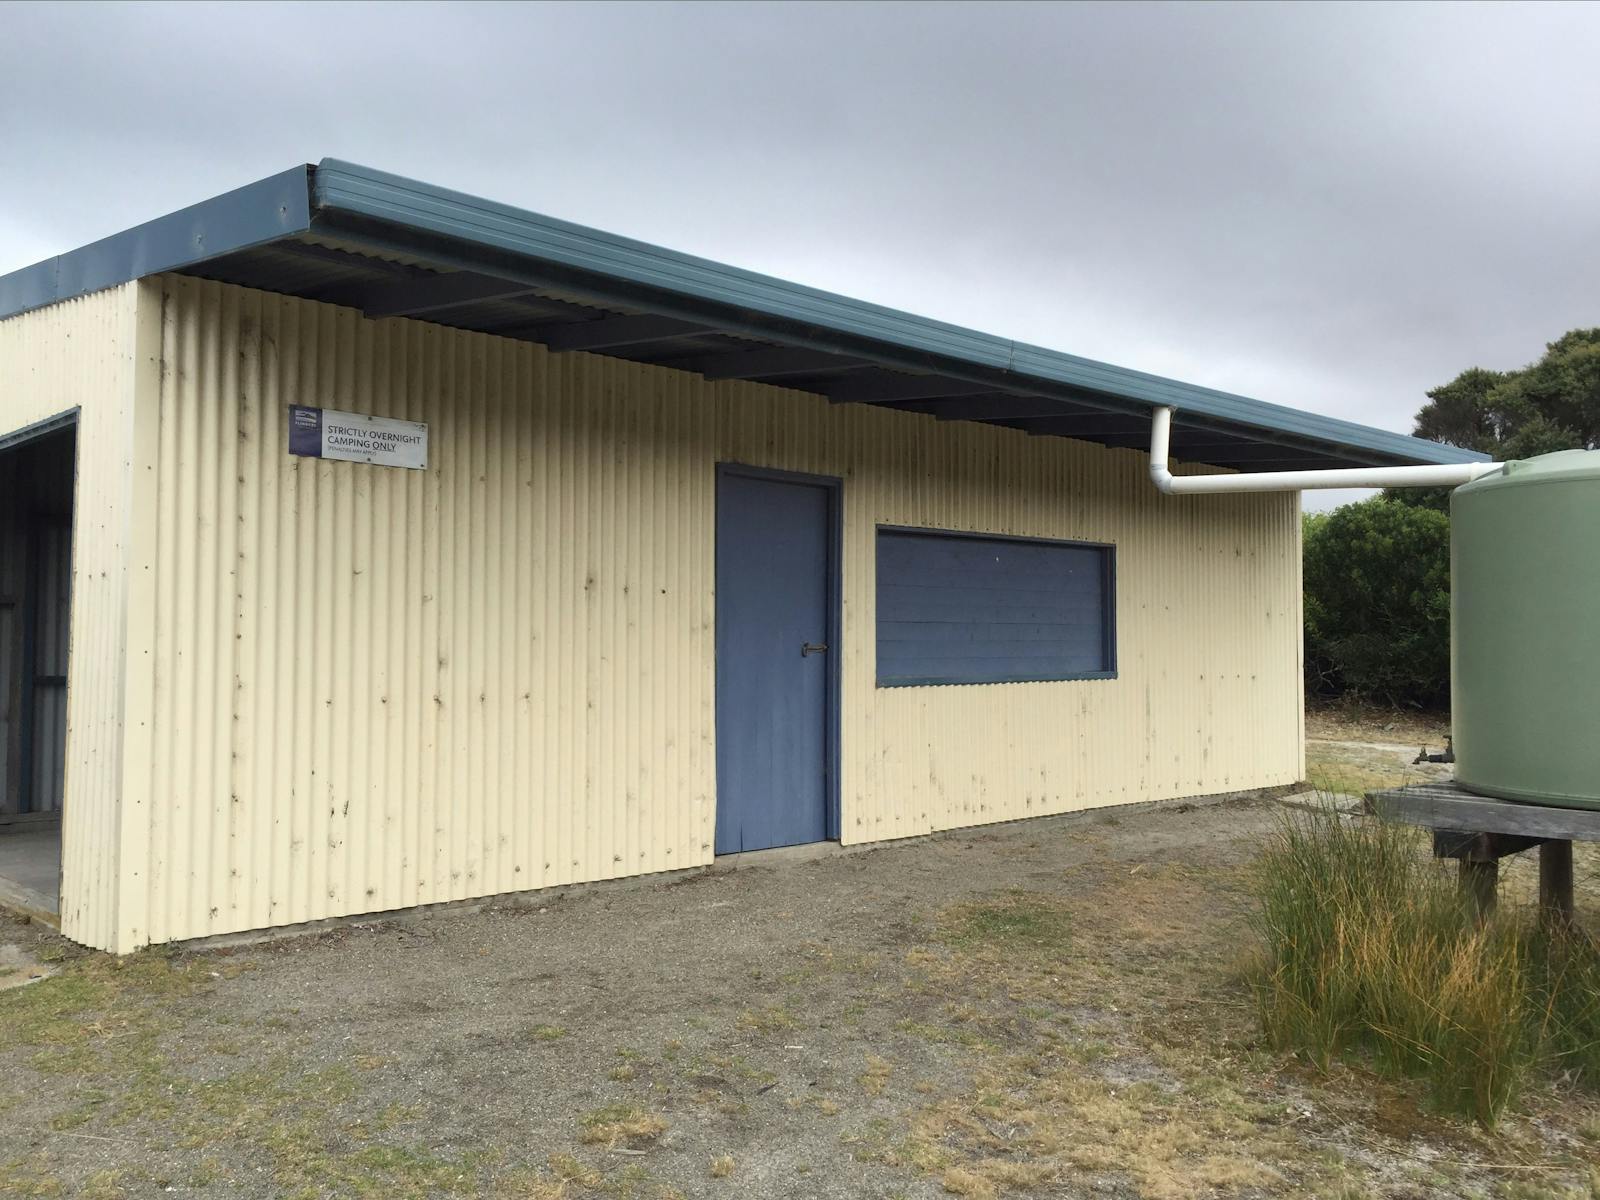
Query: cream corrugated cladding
{"x":96,"y":354}
{"x":375,"y":688}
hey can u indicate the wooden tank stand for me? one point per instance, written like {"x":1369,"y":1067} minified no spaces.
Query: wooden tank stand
{"x":1478,"y":831}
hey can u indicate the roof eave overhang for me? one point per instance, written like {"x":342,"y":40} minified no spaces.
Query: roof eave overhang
{"x":368,"y":211}
{"x":485,"y":235}
{"x":265,"y":211}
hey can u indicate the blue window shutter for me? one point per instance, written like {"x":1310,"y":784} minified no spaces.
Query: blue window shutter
{"x":968,"y":608}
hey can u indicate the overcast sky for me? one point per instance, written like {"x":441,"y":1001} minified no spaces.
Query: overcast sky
{"x":1330,"y":207}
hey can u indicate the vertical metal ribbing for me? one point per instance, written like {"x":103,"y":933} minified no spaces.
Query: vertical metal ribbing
{"x":377,"y":688}
{"x":80,"y":354}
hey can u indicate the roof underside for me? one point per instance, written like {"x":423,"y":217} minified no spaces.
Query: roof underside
{"x":395,"y":248}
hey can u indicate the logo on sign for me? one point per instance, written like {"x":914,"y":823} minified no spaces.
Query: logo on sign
{"x":357,"y":437}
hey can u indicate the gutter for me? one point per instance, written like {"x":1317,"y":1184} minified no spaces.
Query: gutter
{"x":1447,"y":475}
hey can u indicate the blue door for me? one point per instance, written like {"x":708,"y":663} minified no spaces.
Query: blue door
{"x":774,"y":542}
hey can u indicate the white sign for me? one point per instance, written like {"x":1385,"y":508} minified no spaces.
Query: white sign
{"x":355,"y":437}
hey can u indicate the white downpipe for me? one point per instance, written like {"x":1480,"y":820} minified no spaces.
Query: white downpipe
{"x":1448,"y":475}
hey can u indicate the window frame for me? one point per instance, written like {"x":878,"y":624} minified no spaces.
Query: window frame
{"x":1108,"y":599}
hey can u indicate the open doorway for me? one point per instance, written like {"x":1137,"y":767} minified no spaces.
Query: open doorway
{"x":36,"y":492}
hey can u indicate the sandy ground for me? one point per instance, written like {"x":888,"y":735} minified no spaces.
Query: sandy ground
{"x":1362,"y":723}
{"x":1047,"y":1008}
{"x":1352,"y":750}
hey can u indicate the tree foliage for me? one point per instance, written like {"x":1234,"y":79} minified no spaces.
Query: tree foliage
{"x":1553,"y":404}
{"x":1377,"y":603}
{"x":1377,"y":574}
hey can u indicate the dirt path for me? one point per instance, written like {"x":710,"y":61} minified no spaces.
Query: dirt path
{"x":1046,"y":1008}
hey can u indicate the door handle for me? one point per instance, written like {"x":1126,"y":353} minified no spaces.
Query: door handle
{"x":809,"y":648}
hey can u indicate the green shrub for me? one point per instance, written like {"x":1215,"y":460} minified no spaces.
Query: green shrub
{"x":1377,"y":603}
{"x":1368,"y":948}
{"x":1377,"y":574}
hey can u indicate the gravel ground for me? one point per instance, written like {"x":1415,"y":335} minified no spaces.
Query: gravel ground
{"x":1044,"y":1008}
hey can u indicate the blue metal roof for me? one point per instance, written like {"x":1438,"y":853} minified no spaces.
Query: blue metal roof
{"x":396,"y":247}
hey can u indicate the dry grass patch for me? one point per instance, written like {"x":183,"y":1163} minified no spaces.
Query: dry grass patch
{"x":993,"y":1176}
{"x":722,"y":1166}
{"x":1020,"y":1128}
{"x":531,"y":1185}
{"x":569,"y":1170}
{"x":959,"y":1181}
{"x":821,"y":1104}
{"x":30,"y":1176}
{"x":876,"y":1077}
{"x":104,"y":1185}
{"x":564,"y":1177}
{"x":1055,"y":1002}
{"x":773,"y":1018}
{"x":621,"y":1125}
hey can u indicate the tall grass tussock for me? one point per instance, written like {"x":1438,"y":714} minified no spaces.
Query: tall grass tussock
{"x":1368,"y":949}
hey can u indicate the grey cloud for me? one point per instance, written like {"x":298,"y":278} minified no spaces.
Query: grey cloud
{"x":1333,"y":207}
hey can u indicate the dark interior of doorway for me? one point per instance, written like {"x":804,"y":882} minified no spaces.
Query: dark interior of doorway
{"x":36,"y":495}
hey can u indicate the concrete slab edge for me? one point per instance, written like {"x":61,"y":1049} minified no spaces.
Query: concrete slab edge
{"x":25,"y":902}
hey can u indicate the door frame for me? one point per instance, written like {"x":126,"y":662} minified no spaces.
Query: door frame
{"x":24,"y":434}
{"x":834,"y":489}
{"x":16,"y":439}
{"x":22,"y":761}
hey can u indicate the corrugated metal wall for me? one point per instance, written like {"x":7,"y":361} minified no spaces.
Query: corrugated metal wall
{"x":53,"y":564}
{"x":375,"y":688}
{"x":83,"y":354}
{"x":13,"y":581}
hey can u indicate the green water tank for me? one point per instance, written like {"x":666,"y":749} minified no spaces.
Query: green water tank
{"x":1525,"y":630}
